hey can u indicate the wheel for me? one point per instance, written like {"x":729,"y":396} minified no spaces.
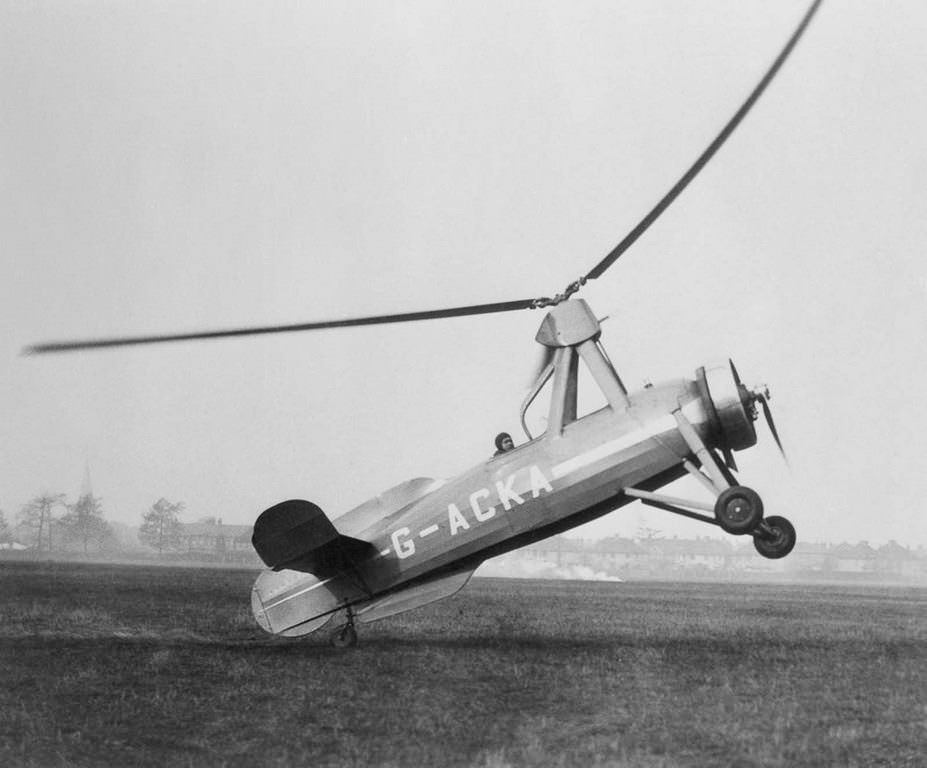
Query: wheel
{"x":779,"y":542}
{"x":344,"y":637}
{"x":739,"y":509}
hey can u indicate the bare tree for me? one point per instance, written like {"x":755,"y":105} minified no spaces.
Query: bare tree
{"x":6,"y":535}
{"x":160,"y":525}
{"x":84,"y":523}
{"x":37,"y":514}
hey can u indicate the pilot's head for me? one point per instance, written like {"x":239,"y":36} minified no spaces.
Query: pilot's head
{"x":504,"y":442}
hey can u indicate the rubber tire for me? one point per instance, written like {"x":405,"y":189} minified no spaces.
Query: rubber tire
{"x":783,"y":542}
{"x":344,"y":637}
{"x":739,"y":509}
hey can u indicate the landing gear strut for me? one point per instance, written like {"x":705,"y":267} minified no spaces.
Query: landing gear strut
{"x":346,"y":635}
{"x":737,"y":509}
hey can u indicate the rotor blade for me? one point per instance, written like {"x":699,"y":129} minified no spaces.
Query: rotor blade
{"x":599,"y":269}
{"x":476,"y":309}
{"x":703,"y":159}
{"x":772,"y":426}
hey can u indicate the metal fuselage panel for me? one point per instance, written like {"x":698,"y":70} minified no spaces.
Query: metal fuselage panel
{"x":497,"y":505}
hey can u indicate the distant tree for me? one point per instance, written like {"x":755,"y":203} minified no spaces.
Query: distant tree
{"x":37,"y":515}
{"x":161,"y":527}
{"x":83,"y":523}
{"x":6,"y":534}
{"x":208,"y":520}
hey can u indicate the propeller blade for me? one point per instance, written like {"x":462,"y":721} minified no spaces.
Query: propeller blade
{"x":772,"y":426}
{"x":644,"y":224}
{"x":124,"y":341}
{"x":729,"y":459}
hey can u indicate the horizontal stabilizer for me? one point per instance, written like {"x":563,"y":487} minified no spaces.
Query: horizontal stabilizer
{"x":412,"y":597}
{"x":297,"y":535}
{"x":293,"y":603}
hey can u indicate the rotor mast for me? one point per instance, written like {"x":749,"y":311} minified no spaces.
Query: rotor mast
{"x":571,"y":331}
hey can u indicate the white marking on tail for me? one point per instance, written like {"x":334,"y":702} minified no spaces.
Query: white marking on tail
{"x":297,"y":594}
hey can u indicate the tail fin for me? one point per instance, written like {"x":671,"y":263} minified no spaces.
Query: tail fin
{"x":297,"y":535}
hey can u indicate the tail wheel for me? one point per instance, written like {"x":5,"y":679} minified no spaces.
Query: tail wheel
{"x":739,"y":509}
{"x":778,"y":540}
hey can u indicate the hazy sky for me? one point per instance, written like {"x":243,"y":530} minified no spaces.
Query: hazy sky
{"x":173,"y":166}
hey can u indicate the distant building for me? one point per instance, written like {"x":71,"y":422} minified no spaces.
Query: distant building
{"x":651,"y":557}
{"x":557,"y":550}
{"x":616,"y":553}
{"x":218,"y":542}
{"x":810,"y":557}
{"x":854,"y":558}
{"x":655,"y":557}
{"x":703,"y":554}
{"x":895,"y":560}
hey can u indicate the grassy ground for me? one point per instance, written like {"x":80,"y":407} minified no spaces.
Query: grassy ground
{"x":116,"y":665}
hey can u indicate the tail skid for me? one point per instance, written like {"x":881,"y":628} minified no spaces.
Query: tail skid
{"x":294,"y":603}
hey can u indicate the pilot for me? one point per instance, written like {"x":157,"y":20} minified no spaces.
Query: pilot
{"x":504,"y":443}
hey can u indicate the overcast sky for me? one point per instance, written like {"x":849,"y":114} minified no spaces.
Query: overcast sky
{"x":175,"y":166}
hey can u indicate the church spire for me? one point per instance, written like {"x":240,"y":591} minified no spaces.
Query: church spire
{"x":86,"y":487}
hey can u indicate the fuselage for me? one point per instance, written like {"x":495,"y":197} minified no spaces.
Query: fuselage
{"x":421,"y":540}
{"x":547,"y":485}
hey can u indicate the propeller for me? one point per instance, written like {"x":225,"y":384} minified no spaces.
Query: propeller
{"x":597,"y":271}
{"x":749,"y":397}
{"x":763,"y":399}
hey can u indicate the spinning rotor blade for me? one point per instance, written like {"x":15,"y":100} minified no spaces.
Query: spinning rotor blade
{"x":125,"y":341}
{"x":703,"y":159}
{"x":772,"y":425}
{"x":508,"y":306}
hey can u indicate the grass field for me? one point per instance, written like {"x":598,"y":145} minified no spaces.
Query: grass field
{"x":147,"y":666}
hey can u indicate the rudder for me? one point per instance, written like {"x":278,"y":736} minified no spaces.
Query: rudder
{"x":297,"y":535}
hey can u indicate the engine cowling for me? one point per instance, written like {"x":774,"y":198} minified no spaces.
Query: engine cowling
{"x":730,"y":405}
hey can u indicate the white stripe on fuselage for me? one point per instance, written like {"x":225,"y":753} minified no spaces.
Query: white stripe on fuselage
{"x":404,"y":540}
{"x":612,"y":447}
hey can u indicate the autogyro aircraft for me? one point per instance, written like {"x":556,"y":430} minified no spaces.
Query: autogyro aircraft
{"x":423,"y":539}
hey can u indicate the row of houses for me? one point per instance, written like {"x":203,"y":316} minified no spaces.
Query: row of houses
{"x":623,"y":556}
{"x":218,"y":542}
